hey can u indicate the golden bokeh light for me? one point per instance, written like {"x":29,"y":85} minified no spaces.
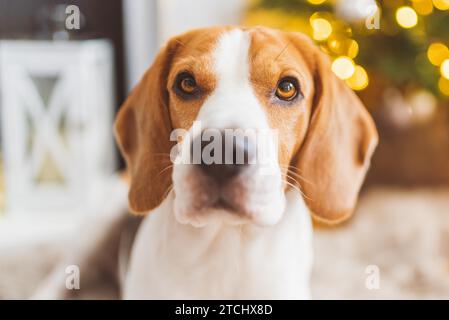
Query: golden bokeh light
{"x":343,"y":67}
{"x":334,"y":44}
{"x":353,"y":49}
{"x":322,"y":29}
{"x":441,"y":4}
{"x":444,"y":68}
{"x":437,"y":53}
{"x":443,"y":85}
{"x":423,"y":7}
{"x":316,"y":2}
{"x":359,"y":79}
{"x":406,"y":17}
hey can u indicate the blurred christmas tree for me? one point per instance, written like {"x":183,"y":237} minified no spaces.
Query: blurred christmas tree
{"x":391,"y":43}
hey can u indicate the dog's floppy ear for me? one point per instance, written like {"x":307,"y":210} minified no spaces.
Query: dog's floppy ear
{"x":142,"y":130}
{"x":340,"y":141}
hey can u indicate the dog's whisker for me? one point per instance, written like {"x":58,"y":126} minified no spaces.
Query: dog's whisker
{"x":291,"y":167}
{"x":296,"y":175}
{"x":167,"y":192}
{"x":299,"y":190}
{"x":297,"y":184}
{"x":294,"y":169}
{"x":165,"y":169}
{"x":162,"y":163}
{"x":296,"y":187}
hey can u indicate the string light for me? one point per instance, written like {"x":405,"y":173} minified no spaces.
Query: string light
{"x":359,"y":79}
{"x":322,"y":29}
{"x":441,"y":4}
{"x":406,"y":17}
{"x":343,"y":67}
{"x":444,"y":69}
{"x":316,"y":2}
{"x":437,"y":53}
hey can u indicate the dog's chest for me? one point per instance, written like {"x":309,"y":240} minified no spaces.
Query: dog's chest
{"x":175,"y":261}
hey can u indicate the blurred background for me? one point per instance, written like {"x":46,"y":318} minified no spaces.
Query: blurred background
{"x":66,"y":66}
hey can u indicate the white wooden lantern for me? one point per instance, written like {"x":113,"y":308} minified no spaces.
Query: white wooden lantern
{"x":57,"y":111}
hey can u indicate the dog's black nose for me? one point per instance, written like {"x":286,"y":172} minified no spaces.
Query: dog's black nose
{"x":224,"y":153}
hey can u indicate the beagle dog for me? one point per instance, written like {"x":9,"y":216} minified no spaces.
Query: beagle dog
{"x":226,"y":230}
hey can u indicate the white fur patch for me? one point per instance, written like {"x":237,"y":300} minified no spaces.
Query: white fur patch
{"x":175,"y":261}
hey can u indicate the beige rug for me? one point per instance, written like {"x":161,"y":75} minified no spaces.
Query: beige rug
{"x":401,"y":234}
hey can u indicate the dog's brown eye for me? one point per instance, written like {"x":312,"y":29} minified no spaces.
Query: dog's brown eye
{"x":187,"y":84}
{"x":286,"y":90}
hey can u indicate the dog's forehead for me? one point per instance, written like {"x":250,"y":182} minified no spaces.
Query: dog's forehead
{"x":198,"y":43}
{"x":267,"y":50}
{"x":202,"y":41}
{"x":267,"y":42}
